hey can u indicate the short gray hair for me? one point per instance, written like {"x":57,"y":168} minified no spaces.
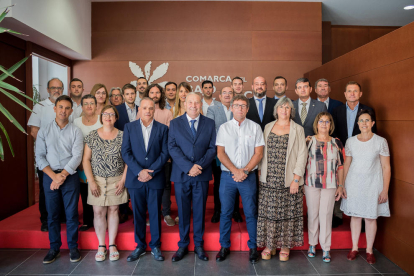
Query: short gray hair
{"x":302,"y":80}
{"x":282,"y":101}
{"x":194,"y":93}
{"x":115,"y":88}
{"x":324,"y":80}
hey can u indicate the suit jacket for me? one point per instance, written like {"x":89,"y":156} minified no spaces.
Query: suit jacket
{"x":315,"y":107}
{"x":123,"y":116}
{"x":333,"y":104}
{"x":137,"y":158}
{"x":186,"y":151}
{"x":341,"y":125}
{"x":253,"y":113}
{"x":296,"y":156}
{"x":216,"y":113}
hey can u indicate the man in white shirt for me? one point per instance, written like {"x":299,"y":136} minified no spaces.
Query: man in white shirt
{"x":280,"y":86}
{"x":76,"y":91}
{"x":43,"y":114}
{"x":208,"y":88}
{"x":142,"y":84}
{"x":239,"y":148}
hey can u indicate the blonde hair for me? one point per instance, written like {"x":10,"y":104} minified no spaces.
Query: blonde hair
{"x":177,"y":106}
{"x":98,"y":86}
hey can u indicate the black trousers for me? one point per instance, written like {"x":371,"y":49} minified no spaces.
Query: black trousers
{"x":87,"y":209}
{"x":166,"y":196}
{"x":217,"y":203}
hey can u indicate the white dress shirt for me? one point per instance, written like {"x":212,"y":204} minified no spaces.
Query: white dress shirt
{"x":137,"y":99}
{"x":132,"y":113}
{"x":195,"y":123}
{"x":258,"y":102}
{"x":301,"y":105}
{"x":227,"y":112}
{"x":205,"y":106}
{"x":146,"y":132}
{"x":42,"y":115}
{"x":239,"y":142}
{"x":77,"y":111}
{"x":326,"y":102}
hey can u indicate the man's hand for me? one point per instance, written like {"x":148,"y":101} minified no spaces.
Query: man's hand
{"x":195,"y":170}
{"x":239,"y":175}
{"x":59,"y":178}
{"x":54,"y":186}
{"x":144,"y":176}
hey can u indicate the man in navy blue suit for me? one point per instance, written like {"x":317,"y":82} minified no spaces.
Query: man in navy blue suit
{"x":145,"y":151}
{"x":322,"y":89}
{"x":129,"y":110}
{"x":191,"y":144}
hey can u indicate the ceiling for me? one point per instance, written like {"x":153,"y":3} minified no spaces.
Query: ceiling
{"x":351,"y":12}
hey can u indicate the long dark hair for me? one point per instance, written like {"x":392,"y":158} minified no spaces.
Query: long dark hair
{"x":161,"y":103}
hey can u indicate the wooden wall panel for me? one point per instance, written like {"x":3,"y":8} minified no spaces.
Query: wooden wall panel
{"x":203,"y":38}
{"x":384,"y":68}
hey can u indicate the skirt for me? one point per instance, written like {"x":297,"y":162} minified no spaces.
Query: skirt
{"x":107,"y":188}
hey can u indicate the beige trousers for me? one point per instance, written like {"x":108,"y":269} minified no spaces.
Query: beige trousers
{"x":320,"y":204}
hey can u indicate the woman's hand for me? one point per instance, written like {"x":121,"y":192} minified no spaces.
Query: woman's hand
{"x":294,"y":187}
{"x":119,"y":187}
{"x":338,"y":193}
{"x":344,"y":193}
{"x":94,"y":189}
{"x":383,"y":197}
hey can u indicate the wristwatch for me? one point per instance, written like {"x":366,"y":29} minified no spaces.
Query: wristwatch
{"x":246,"y":172}
{"x":296,"y":181}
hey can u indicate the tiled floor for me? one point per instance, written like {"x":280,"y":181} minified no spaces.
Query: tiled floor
{"x":29,"y":262}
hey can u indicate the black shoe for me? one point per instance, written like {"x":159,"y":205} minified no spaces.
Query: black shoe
{"x":51,"y":256}
{"x":84,"y":227}
{"x":237,"y":217}
{"x":216,"y":217}
{"x":253,"y":255}
{"x":336,"y":222}
{"x":44,"y":227}
{"x":181,"y":252}
{"x":138,"y":252}
{"x":222,"y":254}
{"x":123,"y":218}
{"x":202,"y":255}
{"x":156,"y":252}
{"x":129,"y":211}
{"x":75,"y":255}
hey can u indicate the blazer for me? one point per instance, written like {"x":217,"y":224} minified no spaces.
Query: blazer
{"x":123,"y":116}
{"x":216,"y":113}
{"x":333,"y":104}
{"x":296,"y":156}
{"x":253,"y":113}
{"x":315,"y":107}
{"x":341,"y":124}
{"x":137,"y":158}
{"x":185,"y":150}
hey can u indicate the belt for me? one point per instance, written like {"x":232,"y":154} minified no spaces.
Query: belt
{"x":57,"y":171}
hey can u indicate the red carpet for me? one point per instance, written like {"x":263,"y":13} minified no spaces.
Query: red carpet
{"x":23,"y":231}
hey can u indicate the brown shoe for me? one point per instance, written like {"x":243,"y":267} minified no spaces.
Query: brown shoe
{"x":371,"y":258}
{"x":352,"y":255}
{"x":169,"y":221}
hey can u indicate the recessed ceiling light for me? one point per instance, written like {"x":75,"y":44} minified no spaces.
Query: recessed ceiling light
{"x":409,"y":7}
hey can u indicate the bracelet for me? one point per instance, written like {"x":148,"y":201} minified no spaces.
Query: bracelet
{"x":341,"y":186}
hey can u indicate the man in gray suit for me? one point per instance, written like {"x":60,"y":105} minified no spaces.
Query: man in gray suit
{"x":221,"y":113}
{"x":306,"y":107}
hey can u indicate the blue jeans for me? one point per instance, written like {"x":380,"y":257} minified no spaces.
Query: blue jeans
{"x":69,"y":193}
{"x":228,"y":193}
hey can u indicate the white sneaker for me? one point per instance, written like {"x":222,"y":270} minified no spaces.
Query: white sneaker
{"x":177,"y":219}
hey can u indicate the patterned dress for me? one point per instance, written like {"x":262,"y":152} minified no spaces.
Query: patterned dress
{"x":280,"y":222}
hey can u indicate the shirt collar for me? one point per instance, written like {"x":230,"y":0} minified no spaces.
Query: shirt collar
{"x":190,"y":119}
{"x":355,"y":109}
{"x":128,"y":108}
{"x":49,"y":102}
{"x":263,"y":98}
{"x":307,"y":101}
{"x":327,"y":100}
{"x":237,"y":123}
{"x":57,"y":126}
{"x":149,"y":126}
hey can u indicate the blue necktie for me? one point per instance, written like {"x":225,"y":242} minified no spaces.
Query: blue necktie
{"x":260,"y":109}
{"x":193,"y":130}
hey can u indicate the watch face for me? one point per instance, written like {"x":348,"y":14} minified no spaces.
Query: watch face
{"x":246,"y":172}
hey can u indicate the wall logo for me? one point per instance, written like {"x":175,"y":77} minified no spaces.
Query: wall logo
{"x":156,"y":74}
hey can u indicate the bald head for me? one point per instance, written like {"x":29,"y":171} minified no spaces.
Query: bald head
{"x":259,"y":87}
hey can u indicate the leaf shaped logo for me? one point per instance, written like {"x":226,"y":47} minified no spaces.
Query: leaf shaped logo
{"x":136,"y":70}
{"x":159,"y":72}
{"x":147,"y":70}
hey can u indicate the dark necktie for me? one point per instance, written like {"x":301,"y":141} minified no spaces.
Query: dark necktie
{"x":193,"y":130}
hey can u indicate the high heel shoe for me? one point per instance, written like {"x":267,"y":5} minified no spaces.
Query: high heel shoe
{"x":326,"y":256}
{"x":312,"y":251}
{"x":267,"y":255}
{"x":114,"y":256}
{"x":101,"y":256}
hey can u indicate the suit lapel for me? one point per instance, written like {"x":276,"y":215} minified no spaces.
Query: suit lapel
{"x":140,"y":136}
{"x":253,"y":110}
{"x":199,"y":127}
{"x":153,"y":134}
{"x":186,"y":124}
{"x":345,"y":122}
{"x":296,"y":105}
{"x":221,"y":112}
{"x":310,"y":112}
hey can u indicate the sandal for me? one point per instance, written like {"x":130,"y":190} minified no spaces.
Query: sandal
{"x":326,"y":256}
{"x":101,"y":256}
{"x":267,"y":255}
{"x":114,"y":256}
{"x":283,"y":256}
{"x":312,"y":251}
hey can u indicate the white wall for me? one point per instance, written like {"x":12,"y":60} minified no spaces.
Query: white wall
{"x":67,"y":22}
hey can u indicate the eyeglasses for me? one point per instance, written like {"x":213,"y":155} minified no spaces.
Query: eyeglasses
{"x":243,"y":106}
{"x":86,"y":104}
{"x":321,"y":122}
{"x":106,"y":115}
{"x":364,"y":121}
{"x":116,"y":95}
{"x":227,"y":93}
{"x":56,"y":88}
{"x":100,"y":93}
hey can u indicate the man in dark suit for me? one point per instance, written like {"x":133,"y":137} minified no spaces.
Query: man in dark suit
{"x":345,"y":120}
{"x":306,"y":107}
{"x":145,"y":151}
{"x":127,"y":111}
{"x":221,"y":113}
{"x":322,"y":89}
{"x":191,"y":144}
{"x":261,"y":107}
{"x":280,"y":86}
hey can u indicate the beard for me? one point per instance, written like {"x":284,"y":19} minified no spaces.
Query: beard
{"x":260,"y":95}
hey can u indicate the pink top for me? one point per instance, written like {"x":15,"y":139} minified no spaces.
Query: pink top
{"x":163,"y":116}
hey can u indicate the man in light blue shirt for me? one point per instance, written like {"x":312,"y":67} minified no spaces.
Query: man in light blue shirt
{"x":170,"y":94}
{"x":280,"y":86}
{"x":59,"y":149}
{"x":351,"y":117}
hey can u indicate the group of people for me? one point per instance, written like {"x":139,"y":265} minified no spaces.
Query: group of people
{"x":270,"y":151}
